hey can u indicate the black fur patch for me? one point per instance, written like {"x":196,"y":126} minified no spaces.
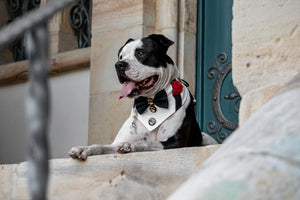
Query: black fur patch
{"x":155,"y":48}
{"x":189,"y":134}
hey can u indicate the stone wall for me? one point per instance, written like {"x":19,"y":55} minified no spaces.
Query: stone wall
{"x":113,"y":23}
{"x":266,"y":49}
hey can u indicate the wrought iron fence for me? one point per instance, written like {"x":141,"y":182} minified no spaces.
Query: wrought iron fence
{"x":16,"y":8}
{"x":35,"y":26}
{"x":79,"y":17}
{"x":80,"y":20}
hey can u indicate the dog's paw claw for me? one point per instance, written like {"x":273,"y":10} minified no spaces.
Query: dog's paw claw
{"x":125,"y":148}
{"x":79,"y":153}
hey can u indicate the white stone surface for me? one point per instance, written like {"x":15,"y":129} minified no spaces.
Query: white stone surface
{"x":266,"y":43}
{"x":146,"y":175}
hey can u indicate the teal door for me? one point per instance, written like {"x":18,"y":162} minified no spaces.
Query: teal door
{"x":217,"y":98}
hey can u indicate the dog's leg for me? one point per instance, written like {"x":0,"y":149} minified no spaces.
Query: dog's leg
{"x":82,"y":152}
{"x":127,"y":147}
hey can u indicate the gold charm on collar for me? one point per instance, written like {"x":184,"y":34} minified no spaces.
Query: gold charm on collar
{"x":150,"y":102}
{"x":152,"y":107}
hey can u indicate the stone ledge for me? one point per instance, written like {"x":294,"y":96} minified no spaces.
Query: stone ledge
{"x":16,"y":72}
{"x":144,"y":175}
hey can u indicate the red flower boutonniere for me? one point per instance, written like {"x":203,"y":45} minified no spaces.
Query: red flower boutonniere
{"x":177,"y":87}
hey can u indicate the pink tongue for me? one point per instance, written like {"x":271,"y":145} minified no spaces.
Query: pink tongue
{"x":127,"y":88}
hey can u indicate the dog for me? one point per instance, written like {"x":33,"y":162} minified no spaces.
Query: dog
{"x":163,"y":115}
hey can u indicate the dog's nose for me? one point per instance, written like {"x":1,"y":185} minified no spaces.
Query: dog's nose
{"x":121,"y":65}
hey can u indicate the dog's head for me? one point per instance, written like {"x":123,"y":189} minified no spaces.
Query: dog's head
{"x":143,"y":66}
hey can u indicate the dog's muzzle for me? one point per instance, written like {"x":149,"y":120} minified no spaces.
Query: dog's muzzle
{"x":121,"y":67}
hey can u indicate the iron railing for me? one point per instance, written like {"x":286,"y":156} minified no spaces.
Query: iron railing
{"x":35,"y":27}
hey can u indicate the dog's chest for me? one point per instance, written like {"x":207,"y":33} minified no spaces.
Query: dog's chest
{"x":135,"y":129}
{"x":153,"y":118}
{"x":164,"y":122}
{"x":164,"y":131}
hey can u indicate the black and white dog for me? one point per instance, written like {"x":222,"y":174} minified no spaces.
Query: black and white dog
{"x":163,"y":115}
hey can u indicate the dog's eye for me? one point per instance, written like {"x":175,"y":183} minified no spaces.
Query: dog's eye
{"x":141,"y":53}
{"x":120,"y":57}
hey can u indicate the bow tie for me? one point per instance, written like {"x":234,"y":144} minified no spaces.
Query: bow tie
{"x":160,"y":99}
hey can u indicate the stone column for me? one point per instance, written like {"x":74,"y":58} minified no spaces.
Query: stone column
{"x":187,"y":30}
{"x":62,"y":36}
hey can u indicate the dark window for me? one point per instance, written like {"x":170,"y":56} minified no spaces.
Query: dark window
{"x":80,"y":20}
{"x":16,"y":8}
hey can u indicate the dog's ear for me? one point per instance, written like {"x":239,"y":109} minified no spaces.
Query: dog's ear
{"x":129,"y":40}
{"x":162,"y":41}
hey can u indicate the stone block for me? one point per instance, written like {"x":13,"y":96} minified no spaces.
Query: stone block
{"x":188,"y":16}
{"x":254,"y":99}
{"x":145,"y":175}
{"x":149,"y":15}
{"x":115,"y":16}
{"x":266,"y":43}
{"x":7,"y":180}
{"x":165,"y":18}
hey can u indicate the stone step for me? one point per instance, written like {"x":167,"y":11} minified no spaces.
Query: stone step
{"x":144,"y":175}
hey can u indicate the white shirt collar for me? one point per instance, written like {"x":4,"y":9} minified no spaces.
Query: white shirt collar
{"x":152,"y":120}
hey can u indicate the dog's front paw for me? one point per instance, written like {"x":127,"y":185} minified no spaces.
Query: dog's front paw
{"x":126,"y":148}
{"x":80,"y":152}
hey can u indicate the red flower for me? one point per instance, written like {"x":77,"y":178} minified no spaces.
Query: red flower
{"x":177,"y":87}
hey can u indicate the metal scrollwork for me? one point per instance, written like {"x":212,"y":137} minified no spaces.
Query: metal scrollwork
{"x":14,"y":7}
{"x":17,"y":8}
{"x":211,"y":126}
{"x":80,"y":20}
{"x":235,"y":96}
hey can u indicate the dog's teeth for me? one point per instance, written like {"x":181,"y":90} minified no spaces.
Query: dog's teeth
{"x":145,"y":81}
